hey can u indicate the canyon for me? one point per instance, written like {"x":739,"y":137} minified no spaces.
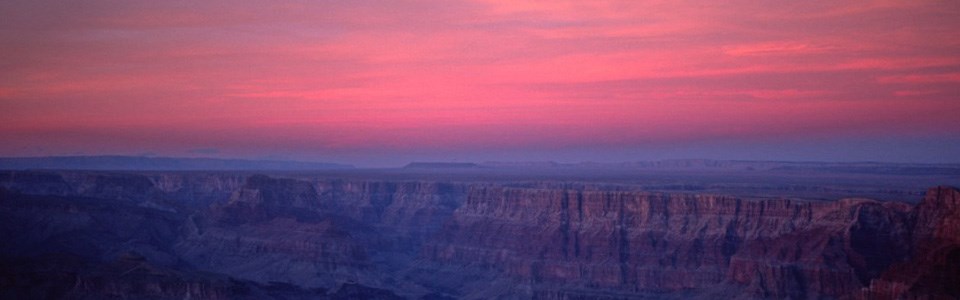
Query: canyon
{"x":479,"y":233}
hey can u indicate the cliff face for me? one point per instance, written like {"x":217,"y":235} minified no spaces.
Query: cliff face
{"x":634,"y":241}
{"x":319,"y":233}
{"x":404,"y":213}
{"x":934,"y":266}
{"x":324,"y":237}
{"x":272,"y":230}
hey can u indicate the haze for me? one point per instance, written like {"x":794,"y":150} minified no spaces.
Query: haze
{"x":382,"y":83}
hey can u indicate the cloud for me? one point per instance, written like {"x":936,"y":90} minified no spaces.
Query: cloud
{"x":921,"y":78}
{"x":774,"y":48}
{"x":411,"y":75}
{"x":915,"y":93}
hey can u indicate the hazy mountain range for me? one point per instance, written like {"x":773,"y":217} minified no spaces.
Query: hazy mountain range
{"x":145,"y":163}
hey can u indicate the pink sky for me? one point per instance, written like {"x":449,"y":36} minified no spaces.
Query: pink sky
{"x":380,"y":83}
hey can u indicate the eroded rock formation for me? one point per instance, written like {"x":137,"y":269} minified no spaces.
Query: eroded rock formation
{"x":314,"y":237}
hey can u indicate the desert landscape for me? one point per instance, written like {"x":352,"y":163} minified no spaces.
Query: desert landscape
{"x":479,"y":149}
{"x":666,"y":230}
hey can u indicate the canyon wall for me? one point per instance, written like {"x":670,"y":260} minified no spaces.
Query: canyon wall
{"x":320,"y":237}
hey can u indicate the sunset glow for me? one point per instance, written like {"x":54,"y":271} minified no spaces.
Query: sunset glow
{"x":380,"y":83}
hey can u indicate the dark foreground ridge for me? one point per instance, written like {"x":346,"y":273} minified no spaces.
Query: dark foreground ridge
{"x":176,"y":235}
{"x":143,"y":163}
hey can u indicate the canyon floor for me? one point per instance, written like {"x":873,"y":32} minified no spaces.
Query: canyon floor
{"x":663,"y":230}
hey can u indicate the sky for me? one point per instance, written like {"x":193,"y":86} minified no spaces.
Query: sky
{"x":382,"y":83}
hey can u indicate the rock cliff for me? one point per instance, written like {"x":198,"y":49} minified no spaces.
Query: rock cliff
{"x":595,"y":241}
{"x":314,"y":237}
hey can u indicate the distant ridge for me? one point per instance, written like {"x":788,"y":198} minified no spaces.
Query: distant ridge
{"x":866,"y":167}
{"x":440,"y":165}
{"x":143,"y":163}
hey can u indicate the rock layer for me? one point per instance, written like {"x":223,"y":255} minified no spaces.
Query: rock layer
{"x":303,"y":236}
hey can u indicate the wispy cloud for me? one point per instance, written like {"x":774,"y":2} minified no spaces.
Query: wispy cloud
{"x":921,"y":78}
{"x":775,"y":48}
{"x":301,"y":77}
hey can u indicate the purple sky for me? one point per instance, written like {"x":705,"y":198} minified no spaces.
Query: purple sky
{"x":380,"y":83}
